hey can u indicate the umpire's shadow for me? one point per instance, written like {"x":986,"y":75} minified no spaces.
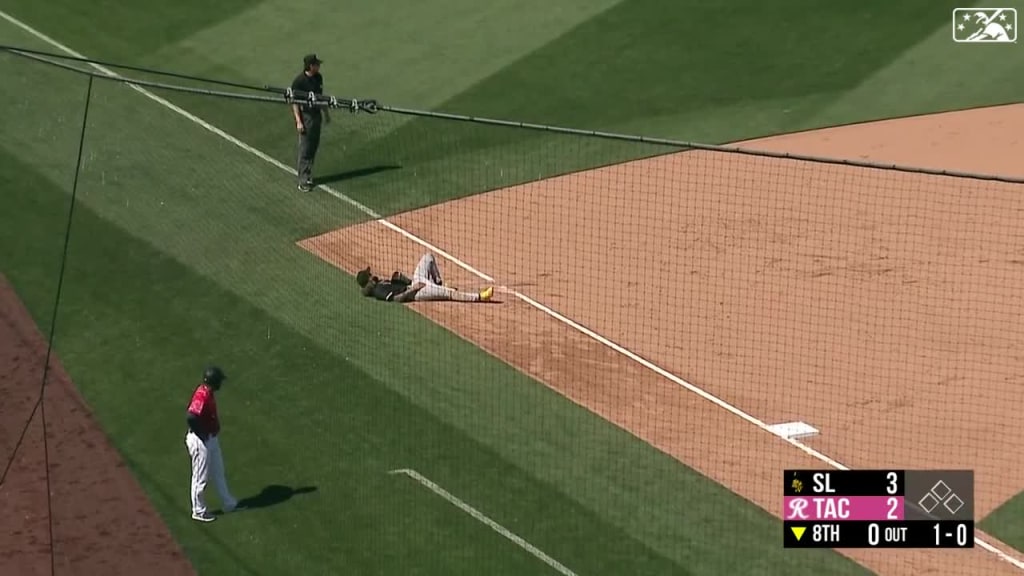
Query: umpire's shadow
{"x":353,"y":174}
{"x":273,"y":495}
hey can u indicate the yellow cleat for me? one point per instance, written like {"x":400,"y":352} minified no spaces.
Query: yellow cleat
{"x":486,"y":294}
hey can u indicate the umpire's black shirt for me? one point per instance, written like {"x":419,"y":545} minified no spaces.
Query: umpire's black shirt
{"x":306,"y":83}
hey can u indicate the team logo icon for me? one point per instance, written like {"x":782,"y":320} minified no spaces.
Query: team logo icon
{"x":984,"y":25}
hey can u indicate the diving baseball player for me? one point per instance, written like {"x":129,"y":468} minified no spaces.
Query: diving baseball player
{"x":426,"y":285}
{"x":204,"y":448}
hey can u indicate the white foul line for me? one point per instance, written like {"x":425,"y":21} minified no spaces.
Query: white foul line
{"x":479,"y":516}
{"x":550,"y":312}
{"x":174,"y":108}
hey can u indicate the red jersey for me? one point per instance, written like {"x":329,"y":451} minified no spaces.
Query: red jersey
{"x":204,"y":405}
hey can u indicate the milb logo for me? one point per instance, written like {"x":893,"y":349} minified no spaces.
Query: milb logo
{"x":984,"y":25}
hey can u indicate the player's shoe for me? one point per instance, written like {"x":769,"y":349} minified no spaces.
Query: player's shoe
{"x":204,"y":517}
{"x":486,"y":294}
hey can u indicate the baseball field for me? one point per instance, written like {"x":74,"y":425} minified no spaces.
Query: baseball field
{"x":660,"y":308}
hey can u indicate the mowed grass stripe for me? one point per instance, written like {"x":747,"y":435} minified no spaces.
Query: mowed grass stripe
{"x":367,"y":48}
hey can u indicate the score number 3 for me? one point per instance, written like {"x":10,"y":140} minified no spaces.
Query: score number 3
{"x":961,"y":535}
{"x":892,"y":488}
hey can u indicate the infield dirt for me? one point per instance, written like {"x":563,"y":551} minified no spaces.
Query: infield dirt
{"x":881,"y":307}
{"x":101,"y":520}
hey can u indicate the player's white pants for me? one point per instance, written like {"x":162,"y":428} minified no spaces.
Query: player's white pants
{"x":427,"y":271}
{"x":429,"y":274}
{"x":207,"y":461}
{"x":433,"y":292}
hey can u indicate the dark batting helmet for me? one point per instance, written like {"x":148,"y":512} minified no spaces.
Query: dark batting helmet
{"x":364,"y":276}
{"x":213,"y":376}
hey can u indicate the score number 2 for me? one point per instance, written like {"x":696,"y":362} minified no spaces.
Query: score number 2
{"x":893,"y":504}
{"x":961,"y":535}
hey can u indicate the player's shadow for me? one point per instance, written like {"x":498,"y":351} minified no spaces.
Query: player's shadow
{"x":273,"y":495}
{"x":353,"y":174}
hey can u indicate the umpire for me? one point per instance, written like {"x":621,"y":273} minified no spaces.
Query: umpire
{"x":308,"y":119}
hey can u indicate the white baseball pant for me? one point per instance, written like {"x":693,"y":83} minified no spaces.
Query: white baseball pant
{"x":207,"y":461}
{"x":429,"y":274}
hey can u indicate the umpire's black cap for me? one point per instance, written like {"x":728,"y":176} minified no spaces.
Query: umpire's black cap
{"x":311,"y":59}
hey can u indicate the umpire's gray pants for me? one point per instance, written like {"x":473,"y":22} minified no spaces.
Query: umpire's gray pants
{"x":309,"y":142}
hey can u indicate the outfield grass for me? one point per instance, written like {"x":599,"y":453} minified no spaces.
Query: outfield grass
{"x":640,"y":63}
{"x":183,"y":252}
{"x":694,"y":71}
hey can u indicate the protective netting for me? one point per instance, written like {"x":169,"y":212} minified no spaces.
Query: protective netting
{"x":693,"y":298}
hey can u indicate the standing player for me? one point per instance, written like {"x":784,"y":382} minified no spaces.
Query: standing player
{"x":308,"y":119}
{"x":204,"y":448}
{"x":426,"y":285}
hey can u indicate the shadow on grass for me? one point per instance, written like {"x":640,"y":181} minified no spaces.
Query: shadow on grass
{"x":273,"y":495}
{"x":352,"y":174}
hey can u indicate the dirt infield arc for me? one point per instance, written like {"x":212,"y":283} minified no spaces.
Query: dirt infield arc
{"x":102,"y":522}
{"x":880,"y":307}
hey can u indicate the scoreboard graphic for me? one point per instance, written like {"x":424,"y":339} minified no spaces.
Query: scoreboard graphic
{"x":878,"y":509}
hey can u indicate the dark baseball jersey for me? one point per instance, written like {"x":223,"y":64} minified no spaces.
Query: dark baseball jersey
{"x":204,"y":406}
{"x":388,"y":291}
{"x":306,"y":83}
